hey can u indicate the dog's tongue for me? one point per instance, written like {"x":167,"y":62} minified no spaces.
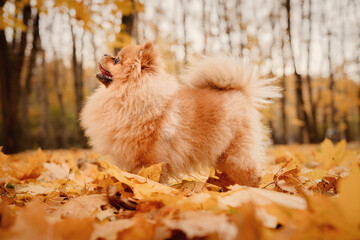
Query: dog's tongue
{"x":104,"y":71}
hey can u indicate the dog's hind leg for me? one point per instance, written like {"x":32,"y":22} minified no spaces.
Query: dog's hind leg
{"x":238,"y":163}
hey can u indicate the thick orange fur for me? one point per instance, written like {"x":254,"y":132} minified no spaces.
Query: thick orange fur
{"x":145,"y":117}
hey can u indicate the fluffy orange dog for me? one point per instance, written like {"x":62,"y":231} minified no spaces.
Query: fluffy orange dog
{"x":142,"y":116}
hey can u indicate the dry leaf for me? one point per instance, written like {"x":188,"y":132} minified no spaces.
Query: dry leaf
{"x":36,"y":189}
{"x":109,"y":230}
{"x":153,"y":172}
{"x":56,"y":171}
{"x":202,"y":224}
{"x":81,"y":207}
{"x":73,"y":229}
{"x":72,"y":192}
{"x":349,"y":198}
{"x":141,"y":229}
{"x":30,"y":223}
{"x":28,"y":167}
{"x":6,"y":218}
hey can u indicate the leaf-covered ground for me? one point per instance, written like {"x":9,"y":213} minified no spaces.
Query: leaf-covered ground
{"x":308,"y":192}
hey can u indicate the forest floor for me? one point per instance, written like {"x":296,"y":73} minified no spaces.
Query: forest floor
{"x":308,"y":192}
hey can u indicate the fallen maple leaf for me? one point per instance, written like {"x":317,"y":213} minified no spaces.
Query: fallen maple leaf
{"x":29,"y":224}
{"x":287,"y":181}
{"x":202,"y":224}
{"x":6,"y":218}
{"x":75,"y":195}
{"x":74,"y":229}
{"x":248,"y":221}
{"x":110,"y":230}
{"x":142,"y":187}
{"x":349,"y":198}
{"x":190,"y":186}
{"x":80,"y":207}
{"x":27,"y":167}
{"x":56,"y":171}
{"x":141,"y":229}
{"x":153,"y":172}
{"x":36,"y":189}
{"x":327,"y":185}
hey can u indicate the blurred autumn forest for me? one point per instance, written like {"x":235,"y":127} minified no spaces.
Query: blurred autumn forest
{"x":49,"y":50}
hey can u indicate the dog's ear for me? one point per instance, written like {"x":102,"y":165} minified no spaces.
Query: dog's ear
{"x":148,"y":56}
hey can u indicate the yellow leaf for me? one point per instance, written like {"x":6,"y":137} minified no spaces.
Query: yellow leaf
{"x":20,"y":24}
{"x":267,"y":178}
{"x":30,"y":223}
{"x":3,"y":159}
{"x":123,"y":39}
{"x":153,"y":172}
{"x":192,"y":224}
{"x":140,"y":7}
{"x":325,"y":155}
{"x":142,"y":187}
{"x":109,"y":230}
{"x":22,"y":166}
{"x":316,"y":174}
{"x":3,"y":23}
{"x":333,"y":156}
{"x":262,"y":197}
{"x":191,"y":186}
{"x":340,"y":151}
{"x":126,"y":7}
{"x":80,"y":207}
{"x":39,"y":4}
{"x":36,"y":189}
{"x":349,"y":198}
{"x":146,"y":228}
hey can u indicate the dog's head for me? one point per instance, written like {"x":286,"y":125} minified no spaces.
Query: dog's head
{"x":129,"y":65}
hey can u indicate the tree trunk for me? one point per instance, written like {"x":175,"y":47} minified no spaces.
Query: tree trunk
{"x":345,"y":117}
{"x":46,"y":138}
{"x":77,"y":65}
{"x":227,"y":24}
{"x":325,"y":121}
{"x":60,"y":132}
{"x":333,"y":131}
{"x":8,"y":103}
{"x":301,"y":113}
{"x":129,"y":22}
{"x":272,"y":133}
{"x":314,"y":135}
{"x":204,"y":25}
{"x":283,"y":99}
{"x":11,"y":64}
{"x":28,"y":84}
{"x":78,"y":81}
{"x":357,"y":17}
{"x":283,"y":110}
{"x":94,"y":52}
{"x":273,"y":15}
{"x":242,"y":31}
{"x":184,"y":15}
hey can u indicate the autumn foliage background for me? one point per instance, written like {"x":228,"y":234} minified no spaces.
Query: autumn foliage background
{"x":49,"y":51}
{"x":48,"y":59}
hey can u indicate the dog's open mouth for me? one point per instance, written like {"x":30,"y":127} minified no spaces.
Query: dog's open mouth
{"x":104,"y":76}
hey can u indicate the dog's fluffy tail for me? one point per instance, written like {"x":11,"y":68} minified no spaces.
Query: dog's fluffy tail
{"x":229,"y":73}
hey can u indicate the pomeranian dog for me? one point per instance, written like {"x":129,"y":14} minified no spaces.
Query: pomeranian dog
{"x":142,"y":116}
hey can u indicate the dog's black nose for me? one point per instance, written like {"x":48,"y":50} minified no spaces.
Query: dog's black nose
{"x":105,"y":55}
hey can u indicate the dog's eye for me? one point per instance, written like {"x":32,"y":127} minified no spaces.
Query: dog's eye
{"x":117,"y":60}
